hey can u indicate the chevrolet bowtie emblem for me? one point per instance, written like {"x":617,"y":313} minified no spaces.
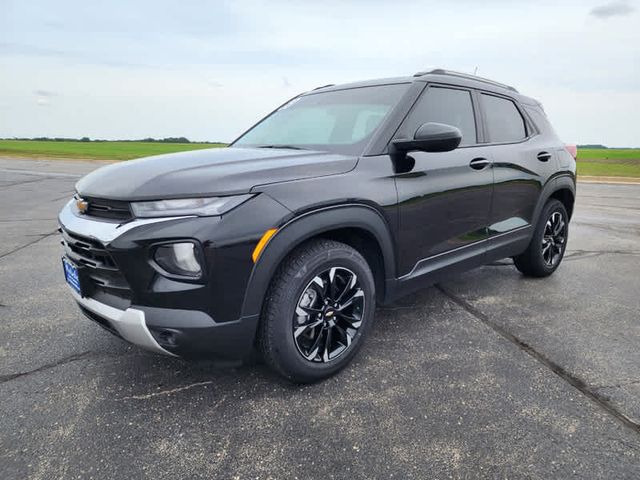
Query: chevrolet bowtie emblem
{"x":82,"y":205}
{"x":329,"y":314}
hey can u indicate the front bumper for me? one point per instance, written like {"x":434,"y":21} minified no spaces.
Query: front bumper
{"x":129,"y":324}
{"x":189,"y":334}
{"x":129,"y":298}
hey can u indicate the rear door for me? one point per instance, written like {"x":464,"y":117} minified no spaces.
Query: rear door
{"x":522,"y":163}
{"x":444,"y":200}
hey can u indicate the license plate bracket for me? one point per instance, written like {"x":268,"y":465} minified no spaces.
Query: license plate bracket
{"x":72,"y":275}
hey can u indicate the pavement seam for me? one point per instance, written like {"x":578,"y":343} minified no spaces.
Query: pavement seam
{"x":71,"y":358}
{"x":579,"y":384}
{"x":41,"y":237}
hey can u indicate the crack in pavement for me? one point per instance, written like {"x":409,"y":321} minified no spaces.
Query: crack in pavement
{"x":41,"y":173}
{"x":27,"y":220}
{"x":582,"y":254}
{"x":590,"y":392}
{"x":625,"y":229}
{"x":41,"y":236}
{"x":619,"y":385}
{"x":66,"y":195}
{"x":599,"y":205}
{"x":576,"y":255}
{"x":24,"y":182}
{"x":399,"y":307}
{"x":607,"y":196}
{"x":76,"y":357}
{"x":71,"y":358}
{"x":167,"y":392}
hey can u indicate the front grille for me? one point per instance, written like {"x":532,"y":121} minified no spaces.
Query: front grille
{"x":109,"y":209}
{"x":100,"y":268}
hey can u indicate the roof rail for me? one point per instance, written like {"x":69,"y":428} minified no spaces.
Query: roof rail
{"x":323,"y":86}
{"x":441,"y":71}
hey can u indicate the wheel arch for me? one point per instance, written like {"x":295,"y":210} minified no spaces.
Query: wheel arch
{"x":562,"y":188}
{"x":567,"y":197}
{"x":360,"y":226}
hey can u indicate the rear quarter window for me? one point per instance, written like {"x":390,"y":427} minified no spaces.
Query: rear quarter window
{"x":539,"y":119}
{"x":503,"y":120}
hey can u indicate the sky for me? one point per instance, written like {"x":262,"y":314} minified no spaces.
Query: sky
{"x":208,"y":70}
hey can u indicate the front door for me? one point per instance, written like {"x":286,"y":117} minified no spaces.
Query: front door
{"x":445,"y":199}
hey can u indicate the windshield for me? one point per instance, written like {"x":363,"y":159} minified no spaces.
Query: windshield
{"x":340,"y":121}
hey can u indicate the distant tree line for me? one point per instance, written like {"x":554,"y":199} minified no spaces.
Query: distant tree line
{"x":594,"y":145}
{"x":87,"y":139}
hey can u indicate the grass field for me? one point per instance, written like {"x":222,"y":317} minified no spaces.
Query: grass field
{"x":94,"y":150}
{"x":609,"y":154}
{"x":609,"y":162}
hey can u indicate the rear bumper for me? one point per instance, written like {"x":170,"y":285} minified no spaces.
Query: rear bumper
{"x":129,"y":324}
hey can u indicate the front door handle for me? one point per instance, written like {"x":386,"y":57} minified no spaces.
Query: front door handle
{"x":479,"y":163}
{"x":544,"y":156}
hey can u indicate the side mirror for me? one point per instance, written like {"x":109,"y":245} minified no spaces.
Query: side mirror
{"x":431,"y":137}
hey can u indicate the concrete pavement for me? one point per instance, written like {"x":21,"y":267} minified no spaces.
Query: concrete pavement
{"x":486,"y":375}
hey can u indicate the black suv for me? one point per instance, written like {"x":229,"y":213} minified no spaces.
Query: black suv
{"x":343,"y":197}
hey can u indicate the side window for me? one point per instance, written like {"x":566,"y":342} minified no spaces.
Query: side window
{"x":504,"y":122}
{"x":443,"y":105}
{"x":539,"y":119}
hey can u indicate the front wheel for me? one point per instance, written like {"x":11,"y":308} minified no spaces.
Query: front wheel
{"x":317,"y":312}
{"x":546,"y":250}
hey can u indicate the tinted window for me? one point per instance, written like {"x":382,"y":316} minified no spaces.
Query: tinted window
{"x":443,"y":105}
{"x":340,"y":121}
{"x":504,"y":122}
{"x":540,"y":119}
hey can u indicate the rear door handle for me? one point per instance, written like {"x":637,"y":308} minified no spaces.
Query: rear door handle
{"x":544,"y":156}
{"x":479,"y":163}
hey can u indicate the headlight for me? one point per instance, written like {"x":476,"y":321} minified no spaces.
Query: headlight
{"x":188,"y":206}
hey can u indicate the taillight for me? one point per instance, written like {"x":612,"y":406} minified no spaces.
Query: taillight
{"x":572,"y":149}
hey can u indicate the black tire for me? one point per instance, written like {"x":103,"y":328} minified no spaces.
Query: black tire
{"x":298,"y":289}
{"x":546,"y":249}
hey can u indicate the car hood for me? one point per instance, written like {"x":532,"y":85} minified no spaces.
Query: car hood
{"x":209,"y":172}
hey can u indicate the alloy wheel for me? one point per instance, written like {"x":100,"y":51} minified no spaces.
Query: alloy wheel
{"x":554,"y":237}
{"x":328,"y":315}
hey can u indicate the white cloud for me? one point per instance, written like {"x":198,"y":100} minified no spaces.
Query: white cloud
{"x":208,"y":70}
{"x":612,"y":9}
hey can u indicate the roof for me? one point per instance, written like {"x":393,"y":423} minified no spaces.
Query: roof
{"x":438,"y":75}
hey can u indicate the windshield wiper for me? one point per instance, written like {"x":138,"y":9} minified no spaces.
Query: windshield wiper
{"x":288,"y":147}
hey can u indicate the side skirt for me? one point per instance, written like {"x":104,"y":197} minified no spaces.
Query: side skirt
{"x":440,"y":267}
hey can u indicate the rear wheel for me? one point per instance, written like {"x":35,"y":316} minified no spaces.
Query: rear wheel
{"x":546,"y":250}
{"x":317,"y":311}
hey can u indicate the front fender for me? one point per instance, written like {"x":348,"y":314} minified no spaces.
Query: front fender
{"x":309,"y":225}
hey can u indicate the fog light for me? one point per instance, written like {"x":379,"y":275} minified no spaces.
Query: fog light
{"x":179,"y":259}
{"x":166,"y":337}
